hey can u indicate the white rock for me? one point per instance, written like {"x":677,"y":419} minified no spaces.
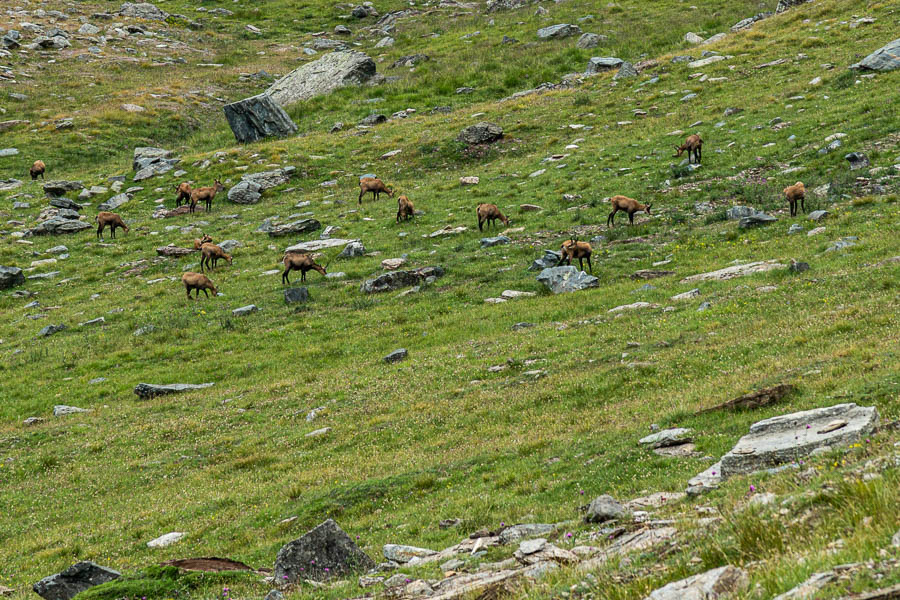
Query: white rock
{"x":166,"y":540}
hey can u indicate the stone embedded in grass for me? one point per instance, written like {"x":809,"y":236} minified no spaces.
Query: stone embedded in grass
{"x":756,"y":219}
{"x":404,"y":554}
{"x":494,"y":241}
{"x":558,"y":32}
{"x":736,"y":271}
{"x":10,"y":277}
{"x":857,"y":160}
{"x":480,"y":133}
{"x":396,"y":356}
{"x":150,"y":390}
{"x":77,"y":578}
{"x":295,"y":295}
{"x":51,"y":329}
{"x":318,"y":432}
{"x":166,"y":540}
{"x":818,"y":215}
{"x":322,"y":553}
{"x":590,"y":40}
{"x":560,"y":280}
{"x":245,"y":192}
{"x":599,"y":64}
{"x":61,"y":410}
{"x":604,"y":508}
{"x":294,"y":227}
{"x":716,"y":583}
{"x":245,"y":310}
{"x":632,"y":306}
{"x":468,"y":180}
{"x":886,"y":58}
{"x":525,"y":531}
{"x":114,"y":202}
{"x":667,"y":437}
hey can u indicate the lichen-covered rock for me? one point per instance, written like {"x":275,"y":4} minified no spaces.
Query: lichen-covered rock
{"x":565,"y":279}
{"x":322,"y":76}
{"x":324,"y":552}
{"x":11,"y":276}
{"x":886,"y":58}
{"x":480,"y":133}
{"x":77,"y":578}
{"x":245,"y":192}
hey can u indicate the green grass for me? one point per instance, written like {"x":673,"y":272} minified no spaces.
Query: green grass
{"x":439,"y":436}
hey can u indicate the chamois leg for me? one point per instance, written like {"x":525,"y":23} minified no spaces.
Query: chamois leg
{"x":480,"y":224}
{"x":581,"y":263}
{"x":99,"y":231}
{"x":590,"y":268}
{"x":205,"y":293}
{"x":611,"y":219}
{"x":803,"y":203}
{"x":699,"y":154}
{"x":188,"y":292}
{"x":285,"y":278}
{"x":631,"y":218}
{"x":793,"y":207}
{"x":208,"y":204}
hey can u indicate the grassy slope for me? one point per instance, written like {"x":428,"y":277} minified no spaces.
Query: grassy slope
{"x":226,"y":465}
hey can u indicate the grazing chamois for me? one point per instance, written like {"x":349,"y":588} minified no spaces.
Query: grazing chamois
{"x":210,"y":255}
{"x":693,"y":144}
{"x":489,"y":213}
{"x":205,"y":195}
{"x":198,"y":281}
{"x":405,"y":208}
{"x":198,"y":243}
{"x":627,"y":205}
{"x":376,"y":186}
{"x":36,"y":169}
{"x":104,"y":219}
{"x":793,"y":193}
{"x":299,"y":262}
{"x":183,"y":193}
{"x":574,"y":249}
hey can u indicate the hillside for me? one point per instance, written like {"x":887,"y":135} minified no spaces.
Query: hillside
{"x":502,"y":413}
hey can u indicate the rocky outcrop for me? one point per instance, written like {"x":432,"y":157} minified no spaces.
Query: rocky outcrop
{"x":317,"y":245}
{"x":322,"y":76}
{"x":396,"y":280}
{"x":11,"y":276}
{"x":258,"y":117}
{"x":736,"y":271}
{"x":480,"y":133}
{"x":270,"y":179}
{"x":58,"y":225}
{"x":294,"y":227}
{"x":245,"y":192}
{"x":59,"y":188}
{"x":149,"y":162}
{"x":114,"y":202}
{"x":558,"y":32}
{"x":150,"y":390}
{"x":77,"y":578}
{"x":560,"y":280}
{"x":886,"y":58}
{"x":324,"y":552}
{"x":716,"y":583}
{"x":143,"y":10}
{"x":599,"y":64}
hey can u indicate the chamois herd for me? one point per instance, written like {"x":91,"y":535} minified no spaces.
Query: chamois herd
{"x":486,"y":215}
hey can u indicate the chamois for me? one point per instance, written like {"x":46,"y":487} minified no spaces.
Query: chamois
{"x":211,"y":255}
{"x":206,"y":195}
{"x":376,"y":186}
{"x":627,"y":205}
{"x":112,"y":220}
{"x":198,"y":281}
{"x":793,"y":193}
{"x":574,"y":249}
{"x":489,"y":213}
{"x":198,"y":243}
{"x":299,"y":262}
{"x":405,"y":208}
{"x":183,"y":193}
{"x":37,"y":169}
{"x":693,"y":144}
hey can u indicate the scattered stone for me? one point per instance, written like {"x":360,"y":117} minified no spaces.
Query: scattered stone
{"x":143,"y":10}
{"x":244,"y":310}
{"x":692,"y":38}
{"x":404,"y":554}
{"x":686,"y":295}
{"x":61,"y":410}
{"x":494,"y":241}
{"x":558,"y":32}
{"x":756,"y":399}
{"x":756,"y":219}
{"x":480,"y":133}
{"x":604,"y":508}
{"x":717,"y":583}
{"x":468,"y":180}
{"x":857,"y":160}
{"x":320,"y":554}
{"x":396,"y":356}
{"x":842,"y":244}
{"x":625,"y":71}
{"x":114,"y":202}
{"x":50,"y":330}
{"x":818,"y":215}
{"x":799,"y":267}
{"x":295,"y":227}
{"x":590,"y":40}
{"x":650,"y":274}
{"x":696,"y":64}
{"x":150,"y":390}
{"x":385,"y":42}
{"x":516,"y":533}
{"x":318,"y":432}
{"x":599,"y":64}
{"x":77,"y":578}
{"x":632,"y":306}
{"x":808,"y":588}
{"x":550,"y":259}
{"x":372,"y":120}
{"x":166,"y":540}
{"x":667,"y":437}
{"x":245,"y":192}
{"x":795,"y":228}
{"x":736,"y":271}
{"x":566,"y":279}
{"x":296,"y":295}
{"x":410,"y":61}
{"x":258,"y":117}
{"x":739,"y":212}
{"x":11,"y":277}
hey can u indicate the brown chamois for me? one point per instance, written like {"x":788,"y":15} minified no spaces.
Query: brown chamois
{"x":37,"y":169}
{"x":574,"y":249}
{"x":793,"y":193}
{"x":205,"y":195}
{"x":376,"y":186}
{"x":210,"y":255}
{"x":198,"y":281}
{"x":299,"y":262}
{"x":405,"y":208}
{"x":628,"y":205}
{"x":183,"y":193}
{"x":489,"y":213}
{"x":110,"y":219}
{"x":198,"y":243}
{"x":693,"y":144}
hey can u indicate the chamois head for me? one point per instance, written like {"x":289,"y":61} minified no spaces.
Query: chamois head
{"x":679,"y":150}
{"x":219,"y":186}
{"x":648,"y":208}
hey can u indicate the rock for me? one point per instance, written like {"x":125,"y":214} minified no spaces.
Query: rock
{"x":857,"y":160}
{"x":10,"y":277}
{"x":150,"y":390}
{"x":143,"y":10}
{"x":498,"y":5}
{"x":480,"y":133}
{"x":410,"y":61}
{"x":705,"y":481}
{"x":404,"y":554}
{"x":558,"y":32}
{"x":736,"y":271}
{"x":886,"y":58}
{"x":696,"y":64}
{"x":114,"y":202}
{"x":808,"y":588}
{"x":320,"y":554}
{"x":88,"y":29}
{"x":360,"y":12}
{"x":51,"y":329}
{"x":258,"y":117}
{"x":274,"y":595}
{"x":739,"y":212}
{"x":392,"y":264}
{"x":174,"y":251}
{"x":841,"y":244}
{"x":799,"y":267}
{"x":149,"y":162}
{"x":295,"y":227}
{"x":353,"y":249}
{"x":795,"y":228}
{"x":686,"y":295}
{"x":599,"y":64}
{"x":757,"y":218}
{"x":316,"y":245}
{"x":667,"y":437}
{"x":817,"y":215}
{"x":385,"y":42}
{"x":318,"y":432}
{"x":468,"y":180}
{"x":525,"y":531}
{"x":77,"y":578}
{"x":166,"y":540}
{"x":715,"y":38}
{"x":295,"y":295}
{"x":494,"y":241}
{"x":625,"y":71}
{"x":7,"y":185}
{"x":550,"y":259}
{"x":632,"y":306}
{"x":61,"y":410}
{"x":269,"y":179}
{"x":787,"y":437}
{"x":5,"y":152}
{"x":717,"y":583}
{"x":692,"y":38}
{"x":322,"y":76}
{"x":59,"y":188}
{"x":567,"y":279}
{"x":604,"y":508}
{"x":396,"y":356}
{"x":245,"y":192}
{"x":590,"y":40}
{"x":372,"y":120}
{"x":245,"y":310}
{"x":657,"y":500}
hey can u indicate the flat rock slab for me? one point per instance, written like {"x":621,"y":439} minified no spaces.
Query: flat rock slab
{"x":317,"y":245}
{"x":149,"y":390}
{"x":294,"y":227}
{"x":60,"y":410}
{"x":650,"y":274}
{"x":706,"y":481}
{"x":786,"y":438}
{"x":404,"y":554}
{"x":324,"y":552}
{"x":656,"y":500}
{"x":525,"y":531}
{"x":630,"y":542}
{"x":716,"y":583}
{"x":174,"y":251}
{"x":59,"y":225}
{"x":667,"y":437}
{"x":886,"y":58}
{"x":736,"y":271}
{"x":207,"y":565}
{"x":166,"y":540}
{"x":322,"y":76}
{"x":395,"y":280}
{"x":77,"y":578}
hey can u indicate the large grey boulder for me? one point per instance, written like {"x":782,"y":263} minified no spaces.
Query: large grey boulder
{"x":786,"y":438}
{"x":114,"y":202}
{"x":270,"y":179}
{"x":886,"y":58}
{"x":143,"y":10}
{"x":258,"y":117}
{"x":550,"y":258}
{"x":295,"y":295}
{"x":604,"y":508}
{"x":599,"y":64}
{"x":716,"y":583}
{"x":558,"y":32}
{"x":324,"y":552}
{"x":11,"y":276}
{"x":322,"y":76}
{"x":395,"y":280}
{"x":245,"y":192}
{"x":77,"y":578}
{"x":567,"y":279}
{"x":294,"y":227}
{"x":58,"y":225}
{"x":149,"y":390}
{"x":480,"y":133}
